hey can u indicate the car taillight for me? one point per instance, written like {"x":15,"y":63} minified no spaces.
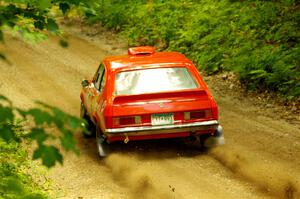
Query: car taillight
{"x":215,"y":112}
{"x":126,"y":121}
{"x":197,"y":114}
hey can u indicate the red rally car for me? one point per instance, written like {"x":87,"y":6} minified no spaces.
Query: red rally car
{"x":148,"y":95}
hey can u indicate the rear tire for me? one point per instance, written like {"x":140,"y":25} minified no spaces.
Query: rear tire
{"x":203,"y":139}
{"x":88,"y":124}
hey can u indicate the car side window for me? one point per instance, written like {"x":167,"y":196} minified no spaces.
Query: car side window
{"x":98,"y":77}
{"x":103,"y":80}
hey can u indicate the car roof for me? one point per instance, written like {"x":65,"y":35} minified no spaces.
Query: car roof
{"x":127,"y":62}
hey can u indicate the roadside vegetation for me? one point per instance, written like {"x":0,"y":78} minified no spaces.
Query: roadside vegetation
{"x":15,"y":182}
{"x":258,"y":40}
{"x":45,"y":127}
{"x":49,"y":129}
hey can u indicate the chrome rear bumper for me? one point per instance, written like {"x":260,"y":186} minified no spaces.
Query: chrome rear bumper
{"x":173,"y":128}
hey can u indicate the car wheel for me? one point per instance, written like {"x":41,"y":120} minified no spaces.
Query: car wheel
{"x":88,"y":124}
{"x":203,"y":138}
{"x":102,"y":145}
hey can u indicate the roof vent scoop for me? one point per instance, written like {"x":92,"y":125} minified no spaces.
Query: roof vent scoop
{"x":142,"y":50}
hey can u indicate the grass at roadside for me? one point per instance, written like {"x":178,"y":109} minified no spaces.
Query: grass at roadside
{"x":16,"y":182}
{"x":259,"y":40}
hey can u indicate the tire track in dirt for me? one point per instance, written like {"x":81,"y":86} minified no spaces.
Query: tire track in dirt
{"x":171,"y":169}
{"x":273,"y":177}
{"x":263,"y":151}
{"x":133,"y":177}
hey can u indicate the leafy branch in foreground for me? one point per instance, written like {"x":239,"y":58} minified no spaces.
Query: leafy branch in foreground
{"x":45,"y":126}
{"x":33,"y":20}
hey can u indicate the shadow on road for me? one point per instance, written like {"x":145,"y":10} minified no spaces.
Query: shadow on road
{"x":145,"y":149}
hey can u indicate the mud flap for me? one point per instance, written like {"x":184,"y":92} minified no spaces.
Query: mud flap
{"x":103,"y":146}
{"x":215,"y":140}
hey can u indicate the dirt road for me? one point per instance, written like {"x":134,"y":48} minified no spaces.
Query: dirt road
{"x":261,"y":158}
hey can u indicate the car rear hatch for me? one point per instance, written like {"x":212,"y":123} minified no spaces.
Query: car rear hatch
{"x":157,"y":109}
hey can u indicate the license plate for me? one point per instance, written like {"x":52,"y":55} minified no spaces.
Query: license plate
{"x":162,"y":119}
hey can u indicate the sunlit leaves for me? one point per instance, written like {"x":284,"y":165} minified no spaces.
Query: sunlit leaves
{"x":29,"y":17}
{"x":15,"y":183}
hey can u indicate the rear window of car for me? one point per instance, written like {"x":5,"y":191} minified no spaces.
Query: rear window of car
{"x":154,"y":80}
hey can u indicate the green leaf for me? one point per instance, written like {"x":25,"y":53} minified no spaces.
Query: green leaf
{"x":74,"y":123}
{"x":40,"y":117}
{"x":52,"y":25}
{"x":6,"y":132}
{"x":6,"y":114}
{"x":49,"y":155}
{"x":38,"y":134}
{"x":68,"y":142}
{"x":59,"y":118}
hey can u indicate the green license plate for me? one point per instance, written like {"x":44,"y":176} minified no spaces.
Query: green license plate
{"x":162,"y":119}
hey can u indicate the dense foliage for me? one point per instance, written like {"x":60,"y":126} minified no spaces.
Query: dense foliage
{"x":257,"y":39}
{"x":15,"y":182}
